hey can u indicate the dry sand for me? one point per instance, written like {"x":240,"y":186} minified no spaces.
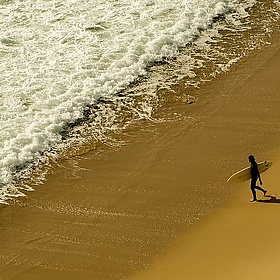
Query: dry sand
{"x":241,"y":241}
{"x":161,"y":201}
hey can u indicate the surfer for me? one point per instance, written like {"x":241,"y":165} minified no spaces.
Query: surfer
{"x":255,"y":175}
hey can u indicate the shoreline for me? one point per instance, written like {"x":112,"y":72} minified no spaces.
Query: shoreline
{"x":117,"y":212}
{"x":241,"y":239}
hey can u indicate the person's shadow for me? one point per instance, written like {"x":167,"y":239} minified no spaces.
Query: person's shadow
{"x":272,"y":199}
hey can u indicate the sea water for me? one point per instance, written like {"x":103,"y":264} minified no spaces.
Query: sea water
{"x":59,"y":59}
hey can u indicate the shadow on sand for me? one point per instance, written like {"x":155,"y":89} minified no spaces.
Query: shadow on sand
{"x":270,"y":199}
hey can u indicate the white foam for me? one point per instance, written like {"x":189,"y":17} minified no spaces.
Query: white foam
{"x":59,"y":56}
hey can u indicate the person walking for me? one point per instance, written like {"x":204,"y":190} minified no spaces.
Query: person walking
{"x":255,"y":176}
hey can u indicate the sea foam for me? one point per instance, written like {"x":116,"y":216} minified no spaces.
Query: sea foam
{"x":57,"y":57}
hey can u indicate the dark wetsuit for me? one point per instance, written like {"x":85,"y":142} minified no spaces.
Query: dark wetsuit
{"x":255,"y":175}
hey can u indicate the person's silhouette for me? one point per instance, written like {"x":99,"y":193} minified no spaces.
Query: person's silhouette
{"x":255,"y":175}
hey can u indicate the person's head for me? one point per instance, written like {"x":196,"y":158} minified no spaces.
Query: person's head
{"x":251,"y":158}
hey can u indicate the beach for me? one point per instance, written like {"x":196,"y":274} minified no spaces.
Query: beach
{"x":159,"y":207}
{"x":239,"y":242}
{"x":241,"y":239}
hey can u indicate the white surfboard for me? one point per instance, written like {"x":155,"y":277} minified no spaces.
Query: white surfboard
{"x":245,"y":173}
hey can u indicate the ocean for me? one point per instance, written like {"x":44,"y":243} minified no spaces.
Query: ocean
{"x":76,"y":73}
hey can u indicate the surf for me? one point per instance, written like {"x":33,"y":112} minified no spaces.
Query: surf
{"x":65,"y":63}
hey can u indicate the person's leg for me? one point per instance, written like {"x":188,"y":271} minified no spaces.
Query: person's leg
{"x":261,"y":189}
{"x":253,"y":186}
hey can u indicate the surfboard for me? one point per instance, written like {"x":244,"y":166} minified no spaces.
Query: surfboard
{"x":245,"y":173}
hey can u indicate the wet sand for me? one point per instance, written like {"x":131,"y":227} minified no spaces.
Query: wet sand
{"x":240,"y":240}
{"x":159,"y":206}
